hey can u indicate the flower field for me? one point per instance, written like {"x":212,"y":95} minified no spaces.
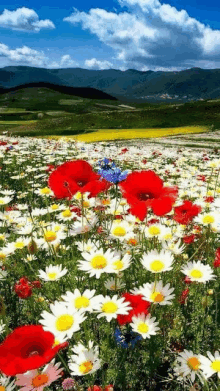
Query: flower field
{"x":109,"y":267}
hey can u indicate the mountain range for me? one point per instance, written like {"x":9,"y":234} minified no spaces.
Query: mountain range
{"x":130,"y":85}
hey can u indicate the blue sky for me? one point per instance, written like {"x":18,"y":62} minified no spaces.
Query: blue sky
{"x":118,"y":34}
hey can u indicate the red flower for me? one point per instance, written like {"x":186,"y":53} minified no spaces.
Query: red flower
{"x":145,"y":190}
{"x":75,"y":176}
{"x":185,"y":213}
{"x":216,"y":262}
{"x":36,"y":284}
{"x":23,"y":288}
{"x":209,"y":199}
{"x":110,"y":387}
{"x":95,"y":388}
{"x":201,"y":178}
{"x":184,"y":296}
{"x":189,"y":239}
{"x":187,"y":280}
{"x":26,"y":348}
{"x":138,"y":305}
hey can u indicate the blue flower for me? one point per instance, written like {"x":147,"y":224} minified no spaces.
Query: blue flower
{"x":126,"y":339}
{"x":110,"y":172}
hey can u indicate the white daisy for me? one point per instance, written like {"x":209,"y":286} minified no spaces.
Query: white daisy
{"x":44,"y":192}
{"x":112,"y":307}
{"x":85,"y":362}
{"x":144,"y":325}
{"x":157,"y":293}
{"x":198,"y":272}
{"x":122,"y":262}
{"x":114,"y":284}
{"x":120,"y":229}
{"x":64,"y":320}
{"x":157,"y":262}
{"x":52,"y":273}
{"x":97,"y":262}
{"x":190,"y":364}
{"x":83,"y":302}
{"x":87,"y":246}
{"x":210,"y":365}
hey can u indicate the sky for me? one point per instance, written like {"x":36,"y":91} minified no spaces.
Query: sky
{"x":115,"y":34}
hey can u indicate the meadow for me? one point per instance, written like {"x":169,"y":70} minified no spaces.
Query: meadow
{"x":109,"y":266}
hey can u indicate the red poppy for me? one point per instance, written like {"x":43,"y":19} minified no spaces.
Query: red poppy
{"x":138,"y":305}
{"x":145,"y":190}
{"x":70,"y":177}
{"x":26,"y":348}
{"x":185,"y":213}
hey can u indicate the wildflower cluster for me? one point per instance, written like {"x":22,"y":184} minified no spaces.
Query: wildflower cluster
{"x":109,"y":267}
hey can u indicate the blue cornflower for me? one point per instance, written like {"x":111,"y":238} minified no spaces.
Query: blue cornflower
{"x":110,"y":172}
{"x":127,"y":339}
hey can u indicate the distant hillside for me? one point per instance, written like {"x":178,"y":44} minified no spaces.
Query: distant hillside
{"x":194,"y":83}
{"x":83,"y":92}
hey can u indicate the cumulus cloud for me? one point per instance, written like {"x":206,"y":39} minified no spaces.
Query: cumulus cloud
{"x":93,"y":63}
{"x":65,"y":62}
{"x":153,"y":35}
{"x":24,"y":19}
{"x":31,"y":57}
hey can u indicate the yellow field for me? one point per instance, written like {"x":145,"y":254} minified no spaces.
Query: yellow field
{"x":122,"y":134}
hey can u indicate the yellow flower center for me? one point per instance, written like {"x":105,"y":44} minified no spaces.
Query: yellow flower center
{"x":86,"y":367}
{"x":54,"y":207}
{"x":52,"y":276}
{"x":45,"y":190}
{"x":64,"y":322}
{"x":2,"y":388}
{"x":50,"y":236}
{"x":2,"y":202}
{"x":215,"y":365}
{"x":2,"y":237}
{"x":105,"y":202}
{"x":143,"y":327}
{"x":193,"y":363}
{"x":118,"y":265}
{"x":133,"y":242}
{"x":157,"y":297}
{"x":67,"y":213}
{"x":208,"y":219}
{"x":109,"y":307}
{"x":196,"y":273}
{"x":2,"y":256}
{"x":98,"y":262}
{"x":167,"y":236}
{"x":157,"y":266}
{"x":19,"y":245}
{"x":119,"y":231}
{"x":78,"y":195}
{"x":86,"y":204}
{"x":81,"y":302}
{"x":153,"y":230}
{"x":40,"y":380}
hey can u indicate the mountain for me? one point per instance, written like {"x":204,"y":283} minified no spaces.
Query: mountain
{"x":83,"y":92}
{"x":194,"y":83}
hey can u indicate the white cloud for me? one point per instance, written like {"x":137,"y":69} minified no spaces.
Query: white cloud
{"x":97,"y":64}
{"x":153,"y":35}
{"x":27,"y":56}
{"x":24,"y":19}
